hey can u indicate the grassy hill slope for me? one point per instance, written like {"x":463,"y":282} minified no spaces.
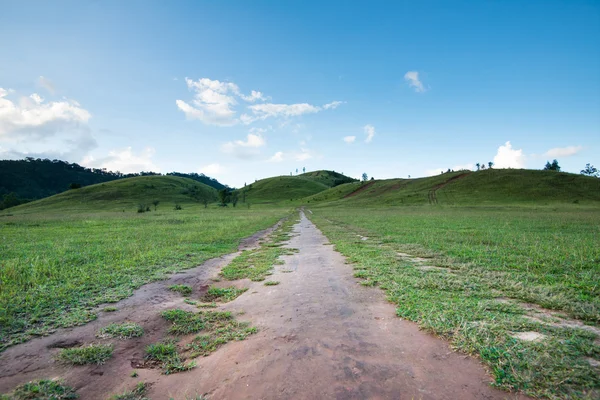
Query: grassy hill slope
{"x":280,"y":188}
{"x":124,"y":194}
{"x":495,"y":186}
{"x":329,"y":178}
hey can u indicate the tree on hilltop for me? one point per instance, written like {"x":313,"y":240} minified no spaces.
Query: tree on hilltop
{"x":590,"y":170}
{"x":552,"y":166}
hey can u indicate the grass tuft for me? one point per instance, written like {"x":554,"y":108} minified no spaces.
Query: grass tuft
{"x":271,"y":283}
{"x":138,"y":393}
{"x":44,"y":389}
{"x":91,"y":354}
{"x":126,"y":330}
{"x":222,"y":294}
{"x":185,"y":290}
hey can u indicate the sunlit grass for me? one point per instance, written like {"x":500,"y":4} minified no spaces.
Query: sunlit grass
{"x":55,"y":268}
{"x":473,"y":260}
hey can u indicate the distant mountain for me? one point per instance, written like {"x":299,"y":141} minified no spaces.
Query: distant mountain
{"x":212,"y":182}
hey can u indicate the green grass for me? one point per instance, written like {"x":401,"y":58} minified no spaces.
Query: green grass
{"x":280,"y":189}
{"x":185,"y":290}
{"x":490,"y":262}
{"x":256,"y":264}
{"x":44,"y":389}
{"x":110,"y":309}
{"x":91,"y":354}
{"x":168,"y":357}
{"x":217,"y":328}
{"x":125,"y":194}
{"x":488,"y":187}
{"x":328,"y":178}
{"x":271,"y":283}
{"x":222,"y":294}
{"x":137,"y":393}
{"x":57,"y":267}
{"x":125,"y":330}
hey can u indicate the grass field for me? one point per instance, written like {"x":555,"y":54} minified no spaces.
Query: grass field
{"x":58,"y":265}
{"x":481,"y":275}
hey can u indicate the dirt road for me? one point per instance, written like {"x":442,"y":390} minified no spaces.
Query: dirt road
{"x":321,"y":335}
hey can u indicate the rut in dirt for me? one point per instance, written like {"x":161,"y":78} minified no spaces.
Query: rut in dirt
{"x":323,"y":335}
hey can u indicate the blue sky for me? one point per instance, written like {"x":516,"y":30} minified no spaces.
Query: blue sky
{"x":243,"y":90}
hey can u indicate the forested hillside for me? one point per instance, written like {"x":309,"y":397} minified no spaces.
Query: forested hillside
{"x":32,"y":179}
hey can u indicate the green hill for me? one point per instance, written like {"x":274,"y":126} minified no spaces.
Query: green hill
{"x":488,"y":187}
{"x":328,"y":178}
{"x":280,"y":188}
{"x":285,"y":188}
{"x":124,"y":194}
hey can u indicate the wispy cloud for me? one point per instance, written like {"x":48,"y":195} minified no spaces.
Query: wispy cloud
{"x":412,"y":78}
{"x":349,"y":139}
{"x":370,"y":131}
{"x":563,"y":151}
{"x":245,"y":149}
{"x":47,"y":84}
{"x":216,"y":103}
{"x":277,"y":157}
{"x":125,"y":160}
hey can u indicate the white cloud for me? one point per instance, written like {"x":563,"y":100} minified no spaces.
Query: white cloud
{"x":215,"y":103}
{"x":125,"y":160}
{"x":349,"y":139}
{"x":245,"y":149}
{"x":277,"y":157}
{"x":333,"y":105}
{"x":370,"y":131}
{"x":271,"y":110}
{"x":32,"y":117}
{"x":32,"y":127}
{"x":47,"y":84}
{"x":302,"y":155}
{"x":507,"y":157}
{"x":563,"y":151}
{"x":412,"y":78}
{"x":254,"y":96}
{"x":211,"y":169}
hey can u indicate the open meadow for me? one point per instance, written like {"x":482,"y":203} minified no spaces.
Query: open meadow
{"x":517,"y":286}
{"x":58,"y":266}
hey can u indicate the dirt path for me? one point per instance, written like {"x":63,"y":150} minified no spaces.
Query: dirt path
{"x":321,"y":335}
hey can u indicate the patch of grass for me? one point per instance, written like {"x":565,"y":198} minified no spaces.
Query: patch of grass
{"x":271,"y":283}
{"x":207,"y":305}
{"x":138,"y":393}
{"x":222,"y":294}
{"x":168,"y":357}
{"x":125,"y":330}
{"x":542,"y":256}
{"x":190,"y":302}
{"x":44,"y":389}
{"x":56,"y":268}
{"x":185,"y":290}
{"x":257,"y":264}
{"x":134,"y":374}
{"x":218,"y":333}
{"x":110,"y":309}
{"x":91,"y":354}
{"x":217,"y":328}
